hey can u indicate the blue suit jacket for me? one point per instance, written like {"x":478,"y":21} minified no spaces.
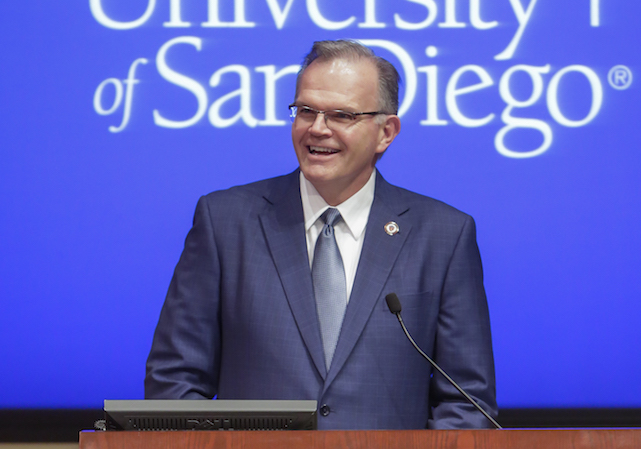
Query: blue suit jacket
{"x":240,"y":318}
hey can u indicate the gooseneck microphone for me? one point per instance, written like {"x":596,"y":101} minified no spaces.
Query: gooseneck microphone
{"x":394,"y":305}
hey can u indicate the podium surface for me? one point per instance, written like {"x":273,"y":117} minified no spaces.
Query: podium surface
{"x":368,"y":439}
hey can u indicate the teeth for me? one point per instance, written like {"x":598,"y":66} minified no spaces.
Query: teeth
{"x":322,"y":150}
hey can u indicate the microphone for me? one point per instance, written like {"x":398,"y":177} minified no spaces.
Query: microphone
{"x":394,"y":305}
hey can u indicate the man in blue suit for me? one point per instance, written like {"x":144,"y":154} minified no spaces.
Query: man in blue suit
{"x":245,"y":316}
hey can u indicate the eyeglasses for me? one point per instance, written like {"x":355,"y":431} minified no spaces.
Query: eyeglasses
{"x":335,"y":117}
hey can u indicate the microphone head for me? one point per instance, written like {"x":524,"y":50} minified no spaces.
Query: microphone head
{"x":393,"y":303}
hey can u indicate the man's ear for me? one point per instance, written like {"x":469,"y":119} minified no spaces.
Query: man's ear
{"x":389,"y":131}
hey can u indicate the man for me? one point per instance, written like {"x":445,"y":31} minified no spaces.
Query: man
{"x":263,"y":306}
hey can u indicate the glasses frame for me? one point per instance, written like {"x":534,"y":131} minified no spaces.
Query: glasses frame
{"x":294,"y":108}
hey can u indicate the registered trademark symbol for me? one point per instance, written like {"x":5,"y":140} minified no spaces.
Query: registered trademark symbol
{"x":620,"y":77}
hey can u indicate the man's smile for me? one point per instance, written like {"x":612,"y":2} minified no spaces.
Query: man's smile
{"x":322,"y":150}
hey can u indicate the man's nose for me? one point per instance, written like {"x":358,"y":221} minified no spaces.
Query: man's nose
{"x":319,"y":126}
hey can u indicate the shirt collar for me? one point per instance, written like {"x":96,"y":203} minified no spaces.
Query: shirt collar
{"x":354,"y":210}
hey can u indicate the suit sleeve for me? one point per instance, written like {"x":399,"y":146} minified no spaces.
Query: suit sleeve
{"x":463,"y":346}
{"x":185,"y":353}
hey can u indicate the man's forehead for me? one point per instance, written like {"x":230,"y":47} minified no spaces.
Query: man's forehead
{"x":347,"y":77}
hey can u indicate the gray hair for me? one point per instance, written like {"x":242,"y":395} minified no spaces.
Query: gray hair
{"x":388,"y":77}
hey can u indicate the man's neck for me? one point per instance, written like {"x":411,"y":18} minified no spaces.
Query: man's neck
{"x":334,"y":196}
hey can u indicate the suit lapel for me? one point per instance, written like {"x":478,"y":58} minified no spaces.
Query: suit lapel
{"x":379,"y":253}
{"x":284,"y":228}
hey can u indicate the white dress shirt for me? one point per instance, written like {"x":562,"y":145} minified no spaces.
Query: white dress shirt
{"x":349,"y":232}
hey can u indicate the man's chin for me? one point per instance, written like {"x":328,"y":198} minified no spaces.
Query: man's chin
{"x":317,"y":177}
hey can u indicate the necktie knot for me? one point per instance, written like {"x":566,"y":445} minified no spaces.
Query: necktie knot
{"x":331,"y":216}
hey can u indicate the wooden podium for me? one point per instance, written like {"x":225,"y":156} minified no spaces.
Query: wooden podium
{"x":371,"y":439}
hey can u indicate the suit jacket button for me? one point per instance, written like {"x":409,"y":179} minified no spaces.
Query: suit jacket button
{"x":324,"y":410}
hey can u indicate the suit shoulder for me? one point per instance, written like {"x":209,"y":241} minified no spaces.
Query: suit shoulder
{"x":428,"y":206}
{"x":254,"y":194}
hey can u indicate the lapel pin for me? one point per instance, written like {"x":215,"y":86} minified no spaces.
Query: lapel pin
{"x":392,"y":228}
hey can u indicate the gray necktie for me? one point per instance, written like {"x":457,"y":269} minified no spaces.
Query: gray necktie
{"x":330,"y":290}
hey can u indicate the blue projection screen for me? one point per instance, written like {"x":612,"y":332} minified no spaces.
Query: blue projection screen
{"x":118,"y":114}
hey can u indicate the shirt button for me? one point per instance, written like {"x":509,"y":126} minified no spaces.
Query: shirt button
{"x":324,"y":410}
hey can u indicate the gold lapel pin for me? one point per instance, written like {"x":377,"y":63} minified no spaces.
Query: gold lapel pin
{"x":392,"y":228}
